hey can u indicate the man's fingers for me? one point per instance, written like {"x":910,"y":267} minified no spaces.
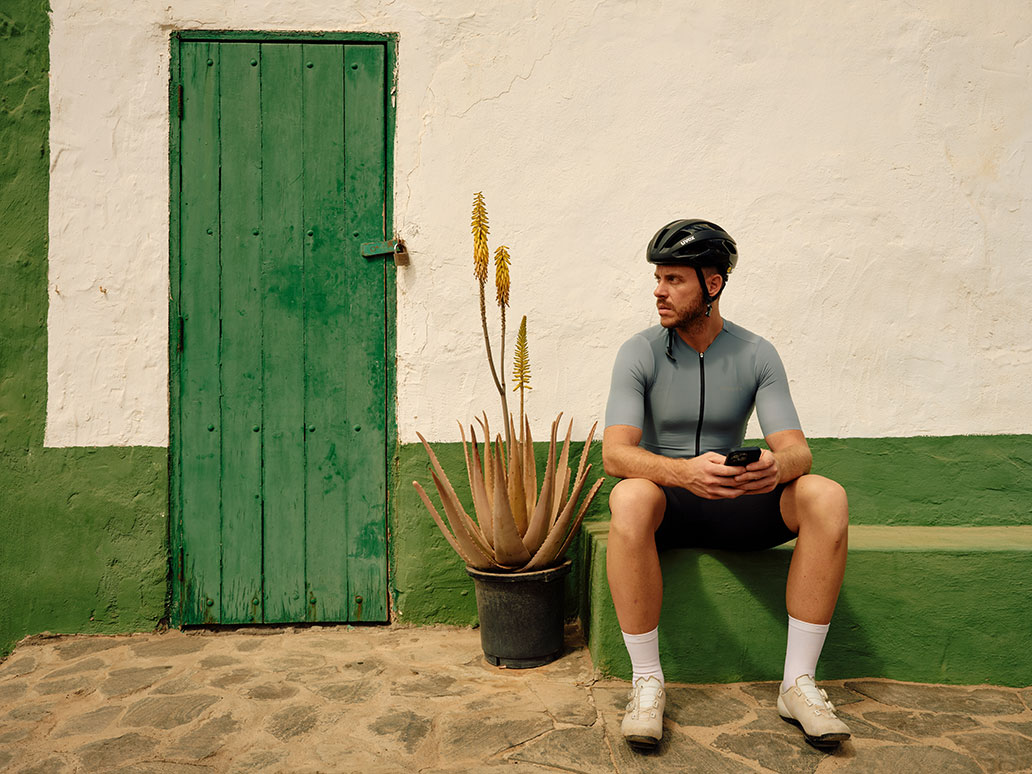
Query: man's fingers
{"x":723,"y":493}
{"x":728,"y":471}
{"x":758,"y":475}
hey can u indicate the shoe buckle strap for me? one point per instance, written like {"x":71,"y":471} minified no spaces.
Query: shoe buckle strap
{"x":821,"y":700}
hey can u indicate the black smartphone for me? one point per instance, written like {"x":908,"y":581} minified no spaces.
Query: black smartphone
{"x":739,"y":458}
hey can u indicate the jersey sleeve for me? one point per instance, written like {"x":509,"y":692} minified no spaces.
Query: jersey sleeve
{"x":774,"y":407}
{"x":629,"y":384}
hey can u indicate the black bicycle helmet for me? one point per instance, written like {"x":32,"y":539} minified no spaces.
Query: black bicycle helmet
{"x":695,"y":243}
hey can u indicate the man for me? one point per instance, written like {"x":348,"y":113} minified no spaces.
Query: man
{"x":681,"y":396}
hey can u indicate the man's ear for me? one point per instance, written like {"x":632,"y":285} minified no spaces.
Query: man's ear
{"x":714,"y":284}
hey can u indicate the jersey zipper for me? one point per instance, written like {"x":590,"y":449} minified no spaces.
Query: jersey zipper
{"x":702,"y":403}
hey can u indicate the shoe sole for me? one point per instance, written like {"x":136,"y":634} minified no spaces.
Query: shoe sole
{"x":824,"y":740}
{"x":643,"y":743}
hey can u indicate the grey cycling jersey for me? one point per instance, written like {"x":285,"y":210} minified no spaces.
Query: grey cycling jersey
{"x":687,"y":402}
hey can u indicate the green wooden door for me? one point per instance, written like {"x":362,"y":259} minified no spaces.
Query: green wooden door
{"x":280,"y":371}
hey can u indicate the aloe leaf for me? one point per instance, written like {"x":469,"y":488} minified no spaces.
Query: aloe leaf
{"x":480,"y":499}
{"x":576,"y":524}
{"x":440,"y":523}
{"x":472,"y":558}
{"x":466,"y":532}
{"x":477,"y":506}
{"x":452,"y":505}
{"x":529,"y":469}
{"x":508,"y":547}
{"x":517,"y":494}
{"x":557,"y":534}
{"x":584,"y":452}
{"x":488,"y":467}
{"x":562,"y":477}
{"x":542,"y":517}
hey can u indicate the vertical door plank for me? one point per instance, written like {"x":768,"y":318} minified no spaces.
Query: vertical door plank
{"x":330,"y":433}
{"x":175,"y":311}
{"x":241,"y":334}
{"x":365,"y":354}
{"x":283,"y":333}
{"x":199,"y":443}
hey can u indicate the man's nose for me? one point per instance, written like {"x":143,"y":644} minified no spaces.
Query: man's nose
{"x":660,"y":291}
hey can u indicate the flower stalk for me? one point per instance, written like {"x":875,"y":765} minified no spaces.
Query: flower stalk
{"x":480,"y":229}
{"x":521,"y":366}
{"x":517,"y":527}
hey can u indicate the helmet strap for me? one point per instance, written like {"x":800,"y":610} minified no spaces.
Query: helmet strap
{"x":705,"y":291}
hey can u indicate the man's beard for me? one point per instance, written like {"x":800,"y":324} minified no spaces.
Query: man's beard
{"x":690,"y":319}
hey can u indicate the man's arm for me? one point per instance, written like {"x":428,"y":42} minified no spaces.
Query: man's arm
{"x":789,"y":458}
{"x":705,"y":475}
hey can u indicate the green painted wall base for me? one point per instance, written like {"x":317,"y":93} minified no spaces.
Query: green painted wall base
{"x":82,"y":531}
{"x":948,"y":481}
{"x":926,"y":604}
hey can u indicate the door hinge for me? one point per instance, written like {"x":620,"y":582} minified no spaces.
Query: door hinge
{"x":391,"y":246}
{"x":179,"y":99}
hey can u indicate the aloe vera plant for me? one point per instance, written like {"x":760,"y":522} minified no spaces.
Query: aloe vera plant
{"x":518,"y":527}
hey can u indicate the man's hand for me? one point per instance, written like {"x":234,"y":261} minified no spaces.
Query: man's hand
{"x":707,"y":476}
{"x":758,"y":477}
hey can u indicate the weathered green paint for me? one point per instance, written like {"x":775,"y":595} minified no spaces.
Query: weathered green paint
{"x":949,"y":481}
{"x":82,"y":531}
{"x":928,"y":604}
{"x":259,"y":36}
{"x":963,"y":480}
{"x":281,"y":446}
{"x":362,"y":415}
{"x":241,"y":334}
{"x":283,"y":364}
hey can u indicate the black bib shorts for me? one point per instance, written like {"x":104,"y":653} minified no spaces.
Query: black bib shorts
{"x":746,"y":523}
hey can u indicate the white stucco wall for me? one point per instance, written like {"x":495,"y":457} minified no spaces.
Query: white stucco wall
{"x":872,"y":166}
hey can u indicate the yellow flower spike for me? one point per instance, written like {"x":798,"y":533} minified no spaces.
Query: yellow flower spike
{"x":502,"y":275}
{"x":521,"y":359}
{"x":480,"y":231}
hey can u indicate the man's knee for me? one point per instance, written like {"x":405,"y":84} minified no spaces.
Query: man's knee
{"x":636,"y":506}
{"x":822,"y":503}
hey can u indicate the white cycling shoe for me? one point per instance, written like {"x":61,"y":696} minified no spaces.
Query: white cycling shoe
{"x":808,"y":707}
{"x":642,"y":726}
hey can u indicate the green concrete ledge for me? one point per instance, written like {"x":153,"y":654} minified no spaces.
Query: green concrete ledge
{"x":924,"y":604}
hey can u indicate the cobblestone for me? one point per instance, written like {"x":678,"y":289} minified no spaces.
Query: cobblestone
{"x":392,"y":699}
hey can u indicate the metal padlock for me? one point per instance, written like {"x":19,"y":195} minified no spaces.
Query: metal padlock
{"x":401,"y":256}
{"x":395,"y":247}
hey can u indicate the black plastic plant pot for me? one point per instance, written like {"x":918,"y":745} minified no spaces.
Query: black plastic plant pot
{"x":521,"y":615}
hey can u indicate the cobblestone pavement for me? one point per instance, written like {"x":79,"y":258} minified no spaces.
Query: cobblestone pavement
{"x":372,"y":700}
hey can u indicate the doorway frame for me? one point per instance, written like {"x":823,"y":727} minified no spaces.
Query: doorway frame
{"x":389,"y":40}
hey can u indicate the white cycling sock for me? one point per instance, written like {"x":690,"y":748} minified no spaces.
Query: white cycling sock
{"x":644,"y":652}
{"x":805,"y":642}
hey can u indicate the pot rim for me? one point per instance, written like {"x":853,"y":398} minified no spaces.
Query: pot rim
{"x":545,"y":574}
